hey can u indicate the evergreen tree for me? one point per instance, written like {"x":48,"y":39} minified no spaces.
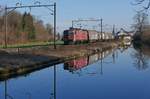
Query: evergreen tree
{"x":28,"y":26}
{"x":58,"y":36}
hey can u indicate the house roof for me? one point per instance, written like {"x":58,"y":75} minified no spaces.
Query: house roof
{"x":124,"y":32}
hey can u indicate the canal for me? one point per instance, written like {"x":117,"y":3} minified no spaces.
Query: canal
{"x":120,"y":73}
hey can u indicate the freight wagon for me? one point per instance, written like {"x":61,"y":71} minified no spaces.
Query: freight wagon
{"x":108,"y":36}
{"x":93,"y":35}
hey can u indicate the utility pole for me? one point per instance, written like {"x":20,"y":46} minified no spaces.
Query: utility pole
{"x":5,"y":27}
{"x":113,"y":32}
{"x":101,"y":28}
{"x":72,"y":23}
{"x":55,"y":25}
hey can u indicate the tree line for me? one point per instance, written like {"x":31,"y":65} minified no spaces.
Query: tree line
{"x":141,"y":23}
{"x":24,"y":28}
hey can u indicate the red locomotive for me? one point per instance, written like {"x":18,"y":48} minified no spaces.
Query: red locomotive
{"x":75,"y":36}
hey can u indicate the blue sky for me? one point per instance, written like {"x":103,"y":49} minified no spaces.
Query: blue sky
{"x":118,"y":12}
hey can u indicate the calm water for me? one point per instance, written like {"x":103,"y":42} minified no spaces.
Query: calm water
{"x":121,"y":73}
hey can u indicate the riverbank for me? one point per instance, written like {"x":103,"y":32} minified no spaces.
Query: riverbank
{"x":21,"y":61}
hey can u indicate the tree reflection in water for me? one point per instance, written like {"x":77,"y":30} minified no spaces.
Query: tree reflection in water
{"x":140,"y":60}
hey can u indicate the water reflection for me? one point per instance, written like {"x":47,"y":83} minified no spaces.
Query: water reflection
{"x":27,"y":94}
{"x":57,"y":83}
{"x":6,"y":94}
{"x":75,"y":66}
{"x":140,"y":58}
{"x":53,"y":93}
{"x":123,"y":48}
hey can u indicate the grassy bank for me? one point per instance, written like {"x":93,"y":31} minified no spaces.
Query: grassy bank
{"x":32,"y":44}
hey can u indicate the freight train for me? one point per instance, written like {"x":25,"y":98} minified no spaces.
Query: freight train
{"x":76,"y":36}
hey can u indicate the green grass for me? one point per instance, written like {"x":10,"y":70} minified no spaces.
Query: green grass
{"x":32,"y":44}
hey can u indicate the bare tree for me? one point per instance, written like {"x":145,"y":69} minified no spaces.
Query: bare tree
{"x":141,"y":25}
{"x":141,"y":21}
{"x":144,"y":3}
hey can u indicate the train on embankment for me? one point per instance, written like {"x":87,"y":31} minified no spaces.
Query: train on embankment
{"x":78,"y":36}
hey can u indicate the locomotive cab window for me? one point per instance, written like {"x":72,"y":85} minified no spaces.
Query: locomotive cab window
{"x":65,"y":32}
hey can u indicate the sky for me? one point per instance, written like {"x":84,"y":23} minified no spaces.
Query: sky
{"x":113,"y":12}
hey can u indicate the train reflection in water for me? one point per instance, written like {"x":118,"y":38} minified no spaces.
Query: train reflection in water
{"x":78,"y":64}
